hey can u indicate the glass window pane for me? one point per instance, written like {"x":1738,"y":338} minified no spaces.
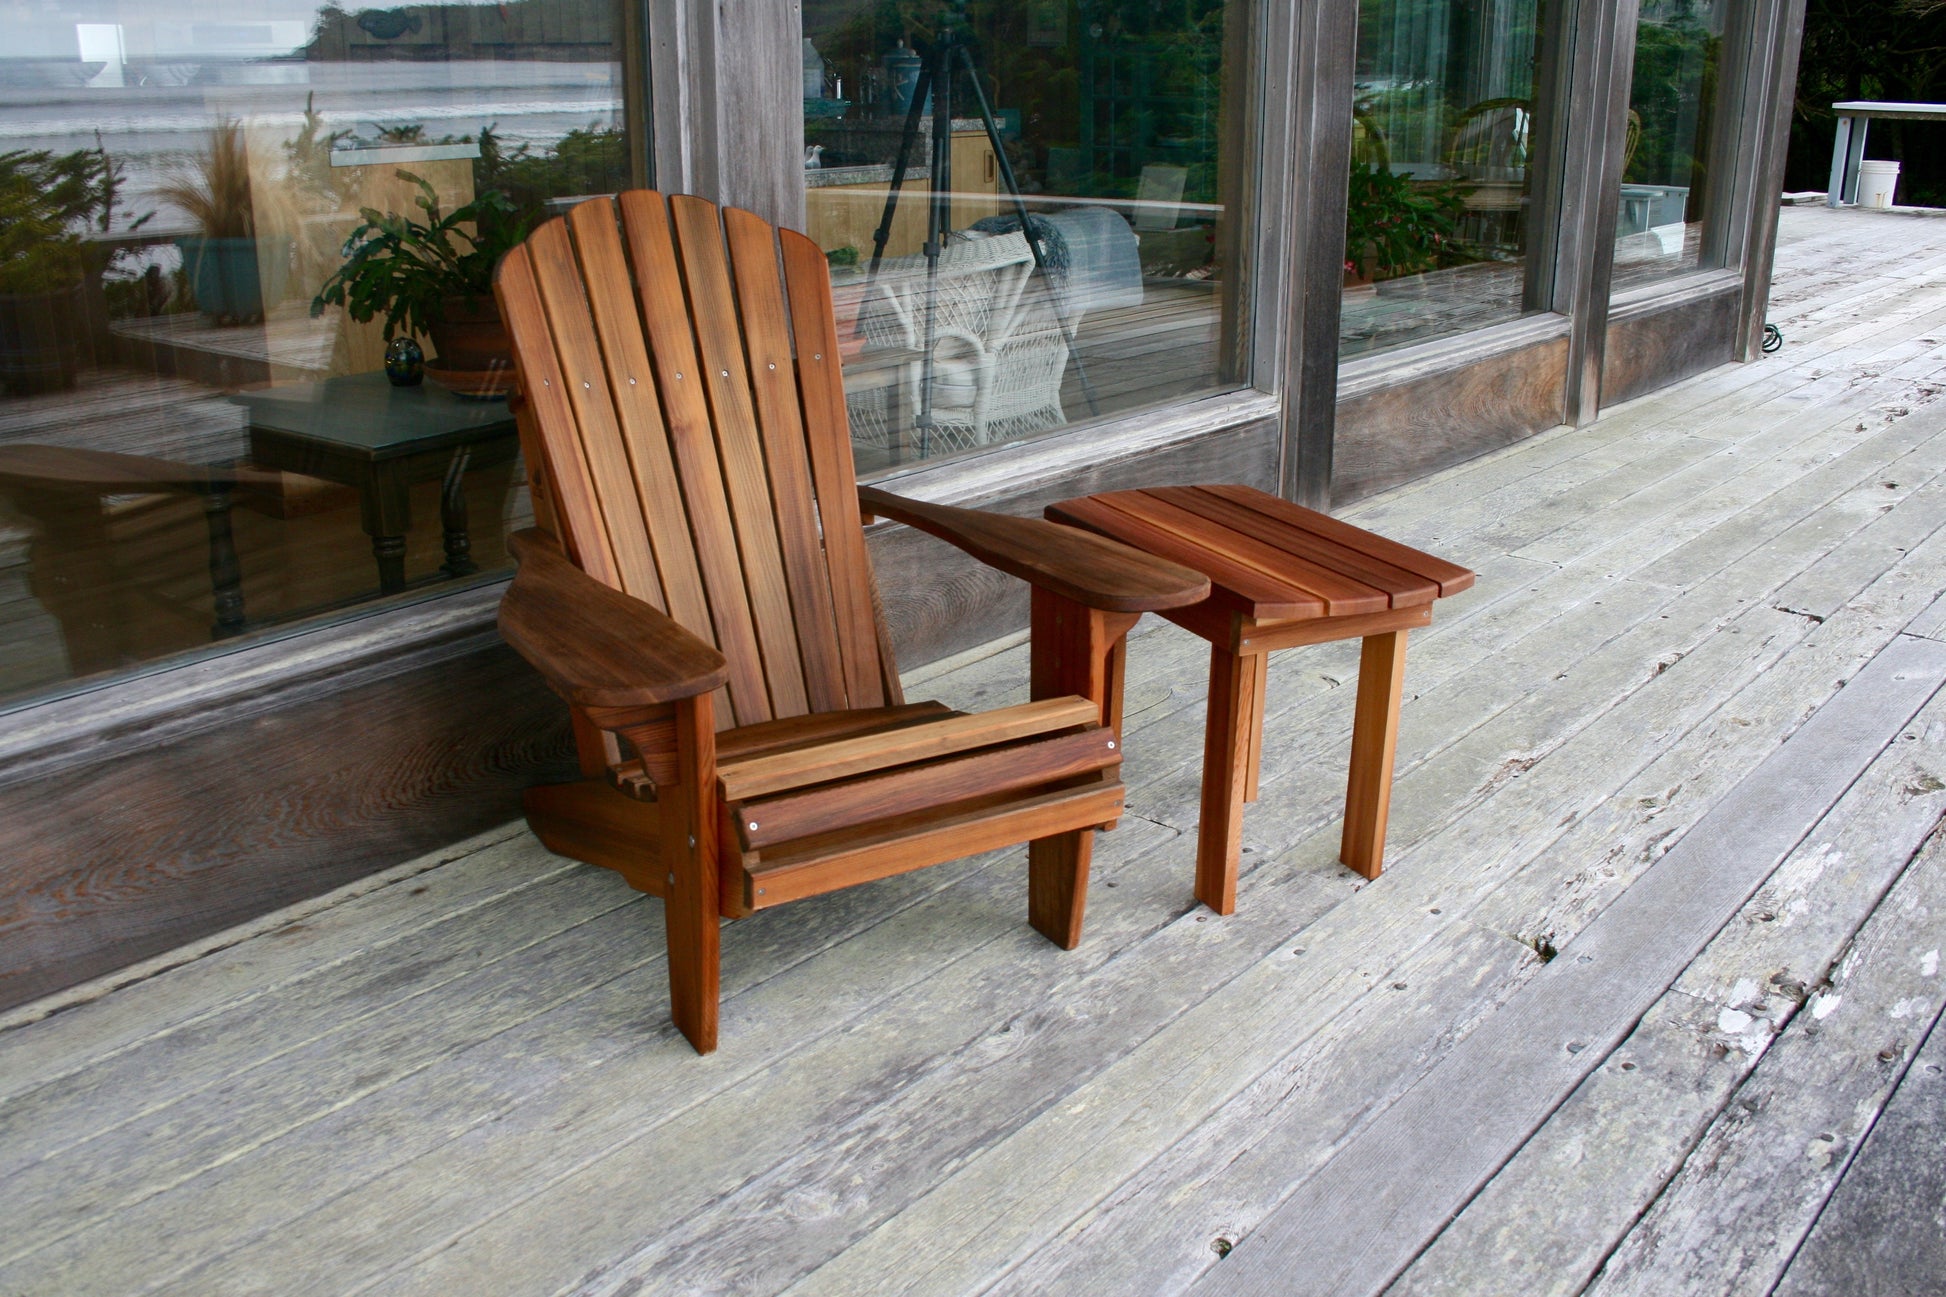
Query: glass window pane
{"x":1444,"y":142}
{"x":1659,"y":228}
{"x":198,"y":441}
{"x":1113,"y":123}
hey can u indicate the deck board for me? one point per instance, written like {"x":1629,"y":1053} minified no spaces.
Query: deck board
{"x":464,"y":1080}
{"x":1536,"y":1228}
{"x":1388,"y":1194}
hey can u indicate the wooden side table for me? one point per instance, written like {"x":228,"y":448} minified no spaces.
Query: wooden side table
{"x":1280,"y":576}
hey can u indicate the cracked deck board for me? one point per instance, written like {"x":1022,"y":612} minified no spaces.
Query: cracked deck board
{"x":1733,"y":1216}
{"x":1371,"y":1209}
{"x":1881,"y":1233}
{"x":1546,"y":1221}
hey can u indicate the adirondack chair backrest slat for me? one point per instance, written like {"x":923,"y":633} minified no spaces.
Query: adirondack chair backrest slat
{"x":578,"y":354}
{"x":550,"y":436}
{"x":871,"y":679}
{"x":695,"y":446}
{"x":766,"y":335}
{"x":712,"y":307}
{"x":685,"y":408}
{"x":626,"y":361}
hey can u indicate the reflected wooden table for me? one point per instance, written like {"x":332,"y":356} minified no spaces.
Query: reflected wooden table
{"x":381,"y":440}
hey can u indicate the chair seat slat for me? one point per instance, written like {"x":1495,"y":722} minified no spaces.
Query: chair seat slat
{"x":763,"y":822}
{"x":825,"y":864}
{"x":750,"y":777}
{"x":822,"y":727}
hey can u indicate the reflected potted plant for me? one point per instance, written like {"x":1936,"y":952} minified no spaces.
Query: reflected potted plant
{"x":235,"y":269}
{"x":1395,"y":226}
{"x":432,"y":276}
{"x":48,"y":204}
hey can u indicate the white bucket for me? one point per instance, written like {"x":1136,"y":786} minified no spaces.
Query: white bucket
{"x":1876,"y":181}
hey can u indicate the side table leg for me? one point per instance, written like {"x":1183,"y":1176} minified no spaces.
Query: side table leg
{"x":1256,"y":727}
{"x":1226,"y":763}
{"x":1855,"y":154}
{"x":1374,"y":735}
{"x":1840,"y":151}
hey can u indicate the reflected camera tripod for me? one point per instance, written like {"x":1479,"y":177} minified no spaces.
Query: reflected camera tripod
{"x":948,"y":54}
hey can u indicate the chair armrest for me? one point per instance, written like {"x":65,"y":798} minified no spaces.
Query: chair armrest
{"x":596,"y":646}
{"x":1089,"y":569}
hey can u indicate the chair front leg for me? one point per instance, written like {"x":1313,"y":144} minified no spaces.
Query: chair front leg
{"x":690,"y":824}
{"x":1075,"y":650}
{"x":1079,"y":650}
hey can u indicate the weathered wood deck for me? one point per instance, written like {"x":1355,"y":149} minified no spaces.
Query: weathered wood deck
{"x":1641,"y":1005}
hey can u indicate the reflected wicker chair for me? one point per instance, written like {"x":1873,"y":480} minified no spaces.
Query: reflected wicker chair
{"x":1487,"y":149}
{"x":998,"y":353}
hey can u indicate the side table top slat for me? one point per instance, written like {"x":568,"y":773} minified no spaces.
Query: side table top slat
{"x":1261,"y":595}
{"x":1404,"y":588}
{"x":1450,"y":577}
{"x":1340,"y":595}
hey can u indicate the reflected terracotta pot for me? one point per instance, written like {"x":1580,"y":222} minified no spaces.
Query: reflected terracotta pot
{"x":472,"y":335}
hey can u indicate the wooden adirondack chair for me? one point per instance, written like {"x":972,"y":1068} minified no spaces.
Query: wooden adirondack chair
{"x":698,"y":590}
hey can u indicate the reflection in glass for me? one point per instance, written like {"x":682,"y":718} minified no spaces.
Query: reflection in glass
{"x":1112,"y":123}
{"x":1444,"y":147}
{"x":1659,"y":228}
{"x":193,"y":444}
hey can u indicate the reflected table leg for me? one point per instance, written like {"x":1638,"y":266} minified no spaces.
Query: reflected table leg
{"x":225,"y":572}
{"x":385,"y":501}
{"x":452,"y":517}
